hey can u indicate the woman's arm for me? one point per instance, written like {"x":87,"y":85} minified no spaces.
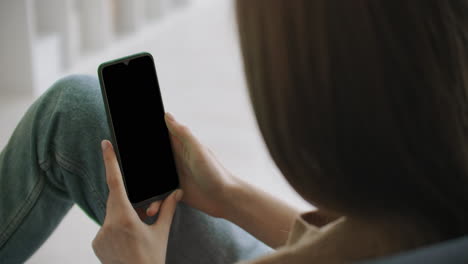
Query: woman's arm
{"x":263,"y":215}
{"x":209,"y":187}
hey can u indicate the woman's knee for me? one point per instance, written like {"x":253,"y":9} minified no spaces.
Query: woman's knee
{"x":74,"y":107}
{"x":74,"y":122}
{"x":77,"y":95}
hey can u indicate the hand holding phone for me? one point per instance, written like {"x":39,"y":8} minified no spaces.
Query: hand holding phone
{"x":123,"y":238}
{"x":207,"y":185}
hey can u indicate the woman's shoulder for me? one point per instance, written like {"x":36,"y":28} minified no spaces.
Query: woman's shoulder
{"x":341,"y":240}
{"x":302,"y":247}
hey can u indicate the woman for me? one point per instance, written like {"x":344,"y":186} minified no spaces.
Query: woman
{"x":362,"y":105}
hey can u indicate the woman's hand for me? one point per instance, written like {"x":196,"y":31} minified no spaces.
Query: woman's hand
{"x":124,"y":238}
{"x":205,"y":182}
{"x":209,"y":187}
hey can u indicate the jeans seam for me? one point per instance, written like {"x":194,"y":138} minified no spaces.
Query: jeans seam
{"x":70,"y":165}
{"x":56,"y":105}
{"x":23,"y":211}
{"x":73,"y":167}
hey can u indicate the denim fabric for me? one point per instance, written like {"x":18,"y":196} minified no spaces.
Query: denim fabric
{"x":54,"y":160}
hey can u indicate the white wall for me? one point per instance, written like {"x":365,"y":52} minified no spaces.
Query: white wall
{"x":44,"y":39}
{"x":16,"y":45}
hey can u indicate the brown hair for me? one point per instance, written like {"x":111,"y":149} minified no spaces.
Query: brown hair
{"x":363,"y":104}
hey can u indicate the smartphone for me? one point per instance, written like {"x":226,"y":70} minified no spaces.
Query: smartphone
{"x":135,"y":114}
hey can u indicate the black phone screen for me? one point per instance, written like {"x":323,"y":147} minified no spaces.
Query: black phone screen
{"x":137,"y":115}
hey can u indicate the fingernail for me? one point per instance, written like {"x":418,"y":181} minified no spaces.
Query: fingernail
{"x":170,"y":116}
{"x":179,"y":194}
{"x":104,"y":144}
{"x":148,"y":210}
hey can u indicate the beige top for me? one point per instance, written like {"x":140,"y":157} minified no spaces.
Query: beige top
{"x":335,"y":242}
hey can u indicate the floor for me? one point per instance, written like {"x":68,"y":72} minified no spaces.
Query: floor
{"x":201,"y":78}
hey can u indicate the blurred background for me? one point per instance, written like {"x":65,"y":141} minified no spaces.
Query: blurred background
{"x":197,"y":56}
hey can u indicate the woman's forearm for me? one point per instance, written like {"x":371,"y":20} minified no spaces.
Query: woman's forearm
{"x":263,"y":215}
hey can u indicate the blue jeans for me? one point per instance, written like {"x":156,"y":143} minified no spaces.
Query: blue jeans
{"x":54,"y":160}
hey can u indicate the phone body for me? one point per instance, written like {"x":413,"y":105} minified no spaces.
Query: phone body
{"x":135,"y":115}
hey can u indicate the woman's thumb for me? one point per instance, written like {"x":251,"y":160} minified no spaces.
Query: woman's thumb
{"x":177,"y":129}
{"x":167,"y":210}
{"x":183,"y":135}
